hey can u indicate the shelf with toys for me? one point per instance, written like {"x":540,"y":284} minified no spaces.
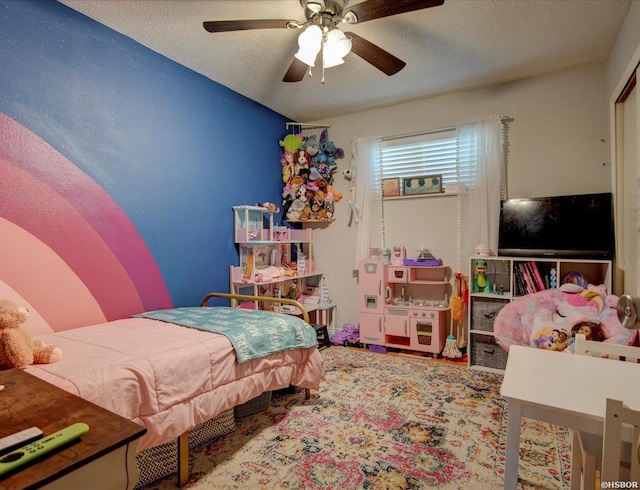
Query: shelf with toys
{"x":275,"y":261}
{"x":497,"y":280}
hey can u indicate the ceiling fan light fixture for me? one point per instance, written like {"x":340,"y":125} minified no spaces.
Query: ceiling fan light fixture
{"x":328,"y":62}
{"x":315,"y":6}
{"x":310,"y":42}
{"x":336,"y":45}
{"x":350,"y":18}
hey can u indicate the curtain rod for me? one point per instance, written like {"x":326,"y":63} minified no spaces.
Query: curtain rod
{"x":306,"y":126}
{"x":419,"y":133}
{"x":430,"y":131}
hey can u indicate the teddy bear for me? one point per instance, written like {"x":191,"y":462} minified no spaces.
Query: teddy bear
{"x":17,"y":348}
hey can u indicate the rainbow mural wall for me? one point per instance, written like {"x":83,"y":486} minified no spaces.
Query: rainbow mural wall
{"x":118,"y":170}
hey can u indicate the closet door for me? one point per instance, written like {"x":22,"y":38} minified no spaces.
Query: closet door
{"x":628,"y":188}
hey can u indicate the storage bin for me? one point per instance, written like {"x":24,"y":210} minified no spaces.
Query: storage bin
{"x":485,"y":352}
{"x":254,"y":405}
{"x":159,"y":461}
{"x":484,"y":311}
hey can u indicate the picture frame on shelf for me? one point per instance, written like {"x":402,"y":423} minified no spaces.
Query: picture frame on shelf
{"x":391,"y":187}
{"x":424,"y":184}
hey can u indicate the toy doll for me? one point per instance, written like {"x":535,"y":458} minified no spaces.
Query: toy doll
{"x":591,"y":330}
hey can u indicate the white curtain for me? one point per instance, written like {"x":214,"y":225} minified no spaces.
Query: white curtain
{"x":482,"y":183}
{"x":367,"y":197}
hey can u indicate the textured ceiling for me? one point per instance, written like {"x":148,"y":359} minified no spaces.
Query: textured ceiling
{"x":459,"y":45}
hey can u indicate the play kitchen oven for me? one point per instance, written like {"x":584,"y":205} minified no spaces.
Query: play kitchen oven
{"x":420,"y":329}
{"x":403,"y":306}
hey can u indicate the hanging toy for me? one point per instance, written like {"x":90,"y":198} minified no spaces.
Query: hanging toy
{"x":355,"y":212}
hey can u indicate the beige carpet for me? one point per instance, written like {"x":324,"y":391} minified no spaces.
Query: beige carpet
{"x":382,"y":422}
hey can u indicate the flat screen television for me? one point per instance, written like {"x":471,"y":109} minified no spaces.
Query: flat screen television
{"x":578,"y":226}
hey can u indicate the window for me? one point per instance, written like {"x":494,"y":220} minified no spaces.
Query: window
{"x":429,"y":153}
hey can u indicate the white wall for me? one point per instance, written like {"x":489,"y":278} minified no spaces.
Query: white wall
{"x":625,"y":53}
{"x":558,"y":145}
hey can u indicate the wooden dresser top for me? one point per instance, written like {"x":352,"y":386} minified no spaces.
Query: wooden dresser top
{"x":28,"y":401}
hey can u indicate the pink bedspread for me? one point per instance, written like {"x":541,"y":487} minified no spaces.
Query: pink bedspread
{"x":166,"y":377}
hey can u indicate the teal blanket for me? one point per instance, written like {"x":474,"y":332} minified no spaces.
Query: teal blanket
{"x":253,"y":333}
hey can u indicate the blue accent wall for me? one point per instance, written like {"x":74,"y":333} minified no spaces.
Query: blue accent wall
{"x":173,"y":148}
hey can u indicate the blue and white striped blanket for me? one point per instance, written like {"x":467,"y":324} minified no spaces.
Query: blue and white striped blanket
{"x":253,"y":333}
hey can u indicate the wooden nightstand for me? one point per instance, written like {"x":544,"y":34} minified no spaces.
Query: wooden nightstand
{"x":103,"y":458}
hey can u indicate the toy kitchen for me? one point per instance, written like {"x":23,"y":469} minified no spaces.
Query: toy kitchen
{"x":404,"y":303}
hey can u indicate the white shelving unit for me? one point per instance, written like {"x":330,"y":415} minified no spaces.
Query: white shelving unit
{"x":505,"y":275}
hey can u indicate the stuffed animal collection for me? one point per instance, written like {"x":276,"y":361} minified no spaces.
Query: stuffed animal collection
{"x":307,"y":172}
{"x":17,"y":348}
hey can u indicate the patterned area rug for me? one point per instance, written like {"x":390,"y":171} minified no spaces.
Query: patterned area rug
{"x":382,"y":422}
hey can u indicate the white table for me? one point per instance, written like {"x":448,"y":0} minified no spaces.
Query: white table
{"x":562,"y":389}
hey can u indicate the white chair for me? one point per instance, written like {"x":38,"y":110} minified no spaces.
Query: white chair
{"x":587,"y":448}
{"x":611,"y":351}
{"x":617,"y":415}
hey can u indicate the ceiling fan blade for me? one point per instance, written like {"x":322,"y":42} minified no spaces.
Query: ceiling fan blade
{"x":296,"y":71}
{"x":375,"y":9}
{"x":244,"y":25}
{"x":378,"y":57}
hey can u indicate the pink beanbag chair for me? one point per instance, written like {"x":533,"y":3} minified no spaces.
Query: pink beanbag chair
{"x":549,"y":319}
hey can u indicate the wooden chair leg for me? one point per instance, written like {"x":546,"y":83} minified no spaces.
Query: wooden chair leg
{"x":585,"y":461}
{"x":576,"y":462}
{"x":589,"y":471}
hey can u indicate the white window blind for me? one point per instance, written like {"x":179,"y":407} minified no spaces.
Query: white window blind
{"x":435,"y":152}
{"x":428,"y":153}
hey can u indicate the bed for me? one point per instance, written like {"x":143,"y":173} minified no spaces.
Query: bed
{"x":172,"y":378}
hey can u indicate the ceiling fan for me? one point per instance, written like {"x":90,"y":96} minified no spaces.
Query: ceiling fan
{"x":322,"y":36}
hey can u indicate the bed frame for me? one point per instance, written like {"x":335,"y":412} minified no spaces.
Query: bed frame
{"x":183,"y":440}
{"x":222,"y":423}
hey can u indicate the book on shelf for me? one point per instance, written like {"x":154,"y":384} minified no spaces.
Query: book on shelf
{"x":530,"y":287}
{"x":521,"y":285}
{"x":537,"y":276}
{"x":528,"y":278}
